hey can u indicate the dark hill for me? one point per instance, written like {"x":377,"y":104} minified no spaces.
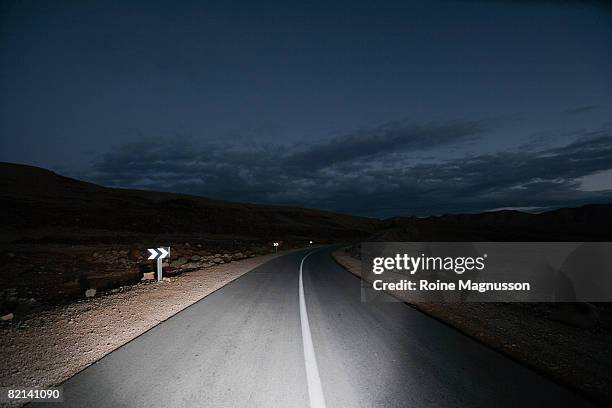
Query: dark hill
{"x":38,"y":202}
{"x":33,"y":199}
{"x":588,"y":223}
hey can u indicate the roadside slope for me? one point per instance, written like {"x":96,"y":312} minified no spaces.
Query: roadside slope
{"x":41,"y":200}
{"x":576,"y":357}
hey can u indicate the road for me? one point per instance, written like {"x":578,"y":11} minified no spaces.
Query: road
{"x":265,"y":341}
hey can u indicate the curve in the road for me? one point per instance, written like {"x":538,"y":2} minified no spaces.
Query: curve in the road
{"x":251,"y":343}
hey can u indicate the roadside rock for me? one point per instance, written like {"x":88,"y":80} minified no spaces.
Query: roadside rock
{"x":583,"y":315}
{"x":189,"y":265}
{"x":134,"y":255}
{"x":178,"y":262}
{"x":196,"y":258}
{"x":148,"y":276}
{"x":259,"y":250}
{"x":217,"y":260}
{"x":89,"y":293}
{"x":7,"y":317}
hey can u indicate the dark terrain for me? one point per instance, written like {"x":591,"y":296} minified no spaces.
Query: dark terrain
{"x":41,"y":205}
{"x":569,"y":342}
{"x":588,"y":223}
{"x":61,"y":237}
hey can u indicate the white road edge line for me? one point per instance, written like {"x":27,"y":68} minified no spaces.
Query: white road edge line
{"x":315,"y":391}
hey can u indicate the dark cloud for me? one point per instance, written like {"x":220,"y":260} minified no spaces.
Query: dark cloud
{"x":354,"y":174}
{"x":391,"y":137}
{"x":580,"y":109}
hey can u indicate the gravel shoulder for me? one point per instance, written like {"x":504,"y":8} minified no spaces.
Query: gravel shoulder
{"x":49,"y":347}
{"x":578,"y":358}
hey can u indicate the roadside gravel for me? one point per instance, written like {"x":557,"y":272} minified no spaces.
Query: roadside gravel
{"x":578,"y":358}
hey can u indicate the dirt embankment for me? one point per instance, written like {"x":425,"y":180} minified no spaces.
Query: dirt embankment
{"x":578,"y":357}
{"x":38,"y":276}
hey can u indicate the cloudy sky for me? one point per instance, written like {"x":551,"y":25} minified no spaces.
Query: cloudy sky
{"x":377,"y":109}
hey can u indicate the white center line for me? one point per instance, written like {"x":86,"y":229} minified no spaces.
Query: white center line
{"x":315,"y":391}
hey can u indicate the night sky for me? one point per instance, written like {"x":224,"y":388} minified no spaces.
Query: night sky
{"x":379,"y":109}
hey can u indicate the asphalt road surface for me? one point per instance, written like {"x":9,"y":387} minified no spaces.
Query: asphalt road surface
{"x":265,"y":341}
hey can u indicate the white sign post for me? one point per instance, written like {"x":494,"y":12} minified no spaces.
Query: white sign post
{"x":159,"y":254}
{"x":275,"y":247}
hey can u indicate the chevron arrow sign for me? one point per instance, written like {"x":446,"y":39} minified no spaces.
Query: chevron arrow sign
{"x":159,"y":253}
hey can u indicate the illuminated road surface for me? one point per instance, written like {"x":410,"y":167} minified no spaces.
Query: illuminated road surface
{"x":244,"y":346}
